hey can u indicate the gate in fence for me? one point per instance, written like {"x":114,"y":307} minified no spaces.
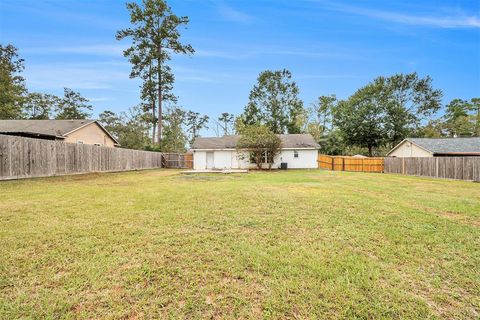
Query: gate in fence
{"x":177,"y":160}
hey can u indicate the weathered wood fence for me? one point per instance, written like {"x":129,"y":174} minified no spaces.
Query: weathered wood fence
{"x":177,"y":160}
{"x":460,"y":168}
{"x":26,"y":157}
{"x":341,"y":163}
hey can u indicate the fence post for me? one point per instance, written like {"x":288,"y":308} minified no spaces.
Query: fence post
{"x":403,"y":165}
{"x":333,"y":163}
{"x":343,"y":164}
{"x":436,"y":167}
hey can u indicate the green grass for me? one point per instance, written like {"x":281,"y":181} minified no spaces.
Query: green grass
{"x":295,"y":244}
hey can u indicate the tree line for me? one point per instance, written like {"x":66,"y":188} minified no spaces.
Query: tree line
{"x":371,"y":121}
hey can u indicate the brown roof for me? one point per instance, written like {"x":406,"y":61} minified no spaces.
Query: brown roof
{"x":290,"y":141}
{"x":48,"y":128}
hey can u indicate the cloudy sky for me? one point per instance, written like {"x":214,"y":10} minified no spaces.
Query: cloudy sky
{"x":330,"y":47}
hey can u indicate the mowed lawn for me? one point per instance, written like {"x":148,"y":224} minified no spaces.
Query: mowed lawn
{"x":295,"y":244}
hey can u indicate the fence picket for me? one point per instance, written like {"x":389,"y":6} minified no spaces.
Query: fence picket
{"x":459,"y":168}
{"x":27,"y":157}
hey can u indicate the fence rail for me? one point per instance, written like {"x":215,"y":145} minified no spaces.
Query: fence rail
{"x":340,"y":163}
{"x":27,"y":157}
{"x":460,"y":168}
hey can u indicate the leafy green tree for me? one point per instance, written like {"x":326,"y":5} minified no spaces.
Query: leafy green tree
{"x":195,"y":122}
{"x":130,"y":128}
{"x":458,"y":121}
{"x":274,"y":102}
{"x":111,"y":122}
{"x":332,"y":143}
{"x":72,"y":106}
{"x":239,"y":124}
{"x":175,"y":138}
{"x":39,"y":106}
{"x":226,"y":121}
{"x":433,"y":129}
{"x":407,"y":100}
{"x":322,"y":111}
{"x":475,"y":109}
{"x":262,"y":144}
{"x":361,"y":118}
{"x":155,"y":36}
{"x":12,"y":84}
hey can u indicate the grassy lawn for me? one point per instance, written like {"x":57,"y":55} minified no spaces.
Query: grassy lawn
{"x":295,"y":244}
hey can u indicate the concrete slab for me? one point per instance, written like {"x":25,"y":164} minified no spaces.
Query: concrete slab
{"x":227,"y":171}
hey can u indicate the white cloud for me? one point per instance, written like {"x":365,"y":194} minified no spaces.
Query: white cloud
{"x":231,"y":14}
{"x":76,"y":76}
{"x":93,"y":49}
{"x":238,"y":54}
{"x":99,"y":99}
{"x":439,"y":21}
{"x":327,"y":76}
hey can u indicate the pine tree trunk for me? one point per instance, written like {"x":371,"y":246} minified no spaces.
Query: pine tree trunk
{"x":152,"y":97}
{"x":160,"y":118}
{"x":154,"y":125}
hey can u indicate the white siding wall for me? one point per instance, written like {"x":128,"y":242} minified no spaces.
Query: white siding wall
{"x":306,"y":159}
{"x":408,"y":149}
{"x":230,"y":159}
{"x":199,"y":160}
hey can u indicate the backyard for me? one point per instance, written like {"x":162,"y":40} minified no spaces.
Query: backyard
{"x":294,"y":244}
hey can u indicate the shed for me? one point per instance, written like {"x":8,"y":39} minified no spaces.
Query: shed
{"x":299,"y":151}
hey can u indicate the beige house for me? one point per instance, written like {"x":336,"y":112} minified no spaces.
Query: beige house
{"x":73,"y":131}
{"x":436,"y":147}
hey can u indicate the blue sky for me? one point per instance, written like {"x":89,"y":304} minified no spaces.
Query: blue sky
{"x":330,"y":47}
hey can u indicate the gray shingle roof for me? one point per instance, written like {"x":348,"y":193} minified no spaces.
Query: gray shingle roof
{"x":53,"y":128}
{"x":448,"y":145}
{"x":229,"y":142}
{"x":46,"y":128}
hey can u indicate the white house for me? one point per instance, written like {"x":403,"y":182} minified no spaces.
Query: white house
{"x":299,"y":151}
{"x":436,"y":147}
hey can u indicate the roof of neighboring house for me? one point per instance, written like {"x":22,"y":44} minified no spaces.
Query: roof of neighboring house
{"x":49,"y":128}
{"x":446,"y":145}
{"x":289,"y":141}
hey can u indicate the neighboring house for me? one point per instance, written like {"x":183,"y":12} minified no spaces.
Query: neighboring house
{"x":299,"y":151}
{"x":436,"y":147}
{"x":73,"y":131}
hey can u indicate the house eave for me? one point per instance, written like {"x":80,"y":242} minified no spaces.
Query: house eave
{"x":457,"y":153}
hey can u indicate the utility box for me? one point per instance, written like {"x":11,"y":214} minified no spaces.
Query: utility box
{"x":283,"y":165}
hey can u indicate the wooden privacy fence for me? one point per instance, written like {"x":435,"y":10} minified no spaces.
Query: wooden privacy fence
{"x":26,"y":157}
{"x":177,"y":160}
{"x":460,"y":168}
{"x":340,"y":163}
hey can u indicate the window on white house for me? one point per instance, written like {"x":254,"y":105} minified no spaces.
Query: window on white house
{"x":252,"y":158}
{"x":266,"y":157}
{"x":295,"y":153}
